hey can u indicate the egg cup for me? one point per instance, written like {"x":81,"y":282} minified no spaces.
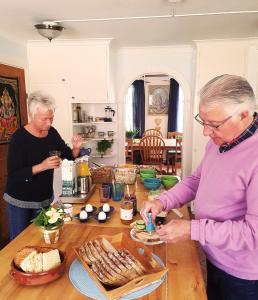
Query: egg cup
{"x":108,"y":212}
{"x":101,"y":221}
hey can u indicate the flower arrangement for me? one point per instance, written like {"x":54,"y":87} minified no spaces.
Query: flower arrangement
{"x":49,"y":218}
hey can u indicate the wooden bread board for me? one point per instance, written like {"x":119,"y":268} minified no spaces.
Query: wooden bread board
{"x":78,"y":199}
{"x":153,"y":269}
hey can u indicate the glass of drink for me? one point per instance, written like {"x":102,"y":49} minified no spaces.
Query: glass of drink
{"x":104,"y":192}
{"x":55,"y":153}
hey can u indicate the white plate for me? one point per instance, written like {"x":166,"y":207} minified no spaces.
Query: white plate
{"x":135,"y":238}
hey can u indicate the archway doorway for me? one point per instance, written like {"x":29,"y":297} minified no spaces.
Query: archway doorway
{"x":158,"y":112}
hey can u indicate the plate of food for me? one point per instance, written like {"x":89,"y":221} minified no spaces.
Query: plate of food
{"x":139,"y":233}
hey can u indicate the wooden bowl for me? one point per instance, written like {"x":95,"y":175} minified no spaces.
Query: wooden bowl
{"x":30,"y":279}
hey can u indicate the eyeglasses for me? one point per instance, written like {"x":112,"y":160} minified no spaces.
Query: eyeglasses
{"x":213,"y":127}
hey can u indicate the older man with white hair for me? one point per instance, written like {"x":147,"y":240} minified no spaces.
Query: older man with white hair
{"x":225,"y":190}
{"x":30,"y":167}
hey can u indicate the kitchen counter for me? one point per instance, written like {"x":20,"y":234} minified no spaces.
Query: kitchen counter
{"x":185,"y":280}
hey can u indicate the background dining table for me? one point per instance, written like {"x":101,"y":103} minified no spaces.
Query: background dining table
{"x":170,"y":144}
{"x":184,"y":279}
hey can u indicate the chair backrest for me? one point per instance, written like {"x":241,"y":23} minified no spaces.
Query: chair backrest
{"x":174,"y":134}
{"x":152,"y":132}
{"x":152,"y":150}
{"x":178,"y":155}
{"x":128,"y":149}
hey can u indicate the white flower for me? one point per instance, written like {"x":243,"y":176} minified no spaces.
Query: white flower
{"x":49,"y":213}
{"x":54,"y":218}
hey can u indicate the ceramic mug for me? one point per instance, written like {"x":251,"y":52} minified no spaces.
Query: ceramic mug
{"x":85,"y":151}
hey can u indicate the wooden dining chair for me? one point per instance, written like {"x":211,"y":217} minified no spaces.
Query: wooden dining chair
{"x":152,"y":132}
{"x":129,"y":150}
{"x":175,"y":155}
{"x":152,"y":150}
{"x":178,"y":154}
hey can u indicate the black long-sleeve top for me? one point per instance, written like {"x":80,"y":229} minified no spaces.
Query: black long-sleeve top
{"x":25,"y":151}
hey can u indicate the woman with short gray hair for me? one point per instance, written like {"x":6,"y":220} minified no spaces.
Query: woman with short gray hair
{"x":39,"y":101}
{"x":225,"y":191}
{"x":31,"y":166}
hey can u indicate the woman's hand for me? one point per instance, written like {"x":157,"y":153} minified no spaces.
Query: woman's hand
{"x":76,"y":141}
{"x":155,"y":207}
{"x":175,"y":231}
{"x":51,"y":162}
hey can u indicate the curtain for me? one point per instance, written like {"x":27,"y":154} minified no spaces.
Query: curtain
{"x":139,"y":107}
{"x":173,"y":105}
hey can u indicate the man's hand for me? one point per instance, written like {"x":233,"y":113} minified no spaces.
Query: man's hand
{"x":175,"y":231}
{"x":155,"y":207}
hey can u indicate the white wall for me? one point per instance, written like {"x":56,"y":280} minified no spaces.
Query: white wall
{"x":176,"y":61}
{"x":14,"y":54}
{"x":215,"y":58}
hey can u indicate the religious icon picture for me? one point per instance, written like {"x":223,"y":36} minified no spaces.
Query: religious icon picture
{"x":158,"y":99}
{"x":9,"y":108}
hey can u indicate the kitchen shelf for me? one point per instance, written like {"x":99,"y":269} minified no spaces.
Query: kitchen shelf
{"x":97,"y":139}
{"x":89,"y":112}
{"x":94,"y":123}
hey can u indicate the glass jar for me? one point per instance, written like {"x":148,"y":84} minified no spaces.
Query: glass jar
{"x":133,"y":199}
{"x":126,"y":212}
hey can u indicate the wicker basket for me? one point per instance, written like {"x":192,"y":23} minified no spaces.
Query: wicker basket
{"x":101,"y":174}
{"x":125,"y":175}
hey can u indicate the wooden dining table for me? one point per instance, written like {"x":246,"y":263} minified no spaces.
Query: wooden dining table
{"x":169,"y":144}
{"x":184,"y":278}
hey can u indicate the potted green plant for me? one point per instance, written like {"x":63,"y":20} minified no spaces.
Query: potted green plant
{"x":50,"y":220}
{"x":130,"y":134}
{"x":103,"y":145}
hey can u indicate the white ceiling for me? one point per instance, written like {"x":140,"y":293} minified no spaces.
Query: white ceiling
{"x":19,"y":17}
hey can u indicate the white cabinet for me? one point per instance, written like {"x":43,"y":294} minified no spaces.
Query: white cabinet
{"x":83,"y":66}
{"x":94,"y":126}
{"x":63,"y":115}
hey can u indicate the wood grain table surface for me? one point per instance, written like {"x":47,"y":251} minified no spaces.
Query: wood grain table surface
{"x":184,"y":281}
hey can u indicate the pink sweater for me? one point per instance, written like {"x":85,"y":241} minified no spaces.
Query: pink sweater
{"x":225,"y":189}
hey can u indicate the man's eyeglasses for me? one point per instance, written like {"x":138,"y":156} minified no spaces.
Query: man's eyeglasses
{"x":211,"y":126}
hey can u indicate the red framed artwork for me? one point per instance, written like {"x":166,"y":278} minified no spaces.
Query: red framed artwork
{"x":12,"y":101}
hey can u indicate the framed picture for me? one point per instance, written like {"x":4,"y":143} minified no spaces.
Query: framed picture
{"x":158,"y":99}
{"x":12,"y":99}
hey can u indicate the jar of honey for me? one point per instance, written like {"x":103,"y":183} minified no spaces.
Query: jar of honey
{"x":126,"y":212}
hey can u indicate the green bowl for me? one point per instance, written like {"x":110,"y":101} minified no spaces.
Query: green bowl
{"x":148,"y":171}
{"x":168,"y":183}
{"x":145,"y":176}
{"x":169,"y":178}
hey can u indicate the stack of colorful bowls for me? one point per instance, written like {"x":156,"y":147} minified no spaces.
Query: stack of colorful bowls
{"x":169,"y":181}
{"x":147,"y":173}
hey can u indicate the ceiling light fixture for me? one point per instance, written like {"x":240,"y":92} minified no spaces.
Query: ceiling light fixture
{"x":49,"y":29}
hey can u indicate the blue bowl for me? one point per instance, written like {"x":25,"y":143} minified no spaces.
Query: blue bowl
{"x":152,"y":183}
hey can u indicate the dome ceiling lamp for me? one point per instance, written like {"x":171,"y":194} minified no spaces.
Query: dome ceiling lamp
{"x":49,"y":29}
